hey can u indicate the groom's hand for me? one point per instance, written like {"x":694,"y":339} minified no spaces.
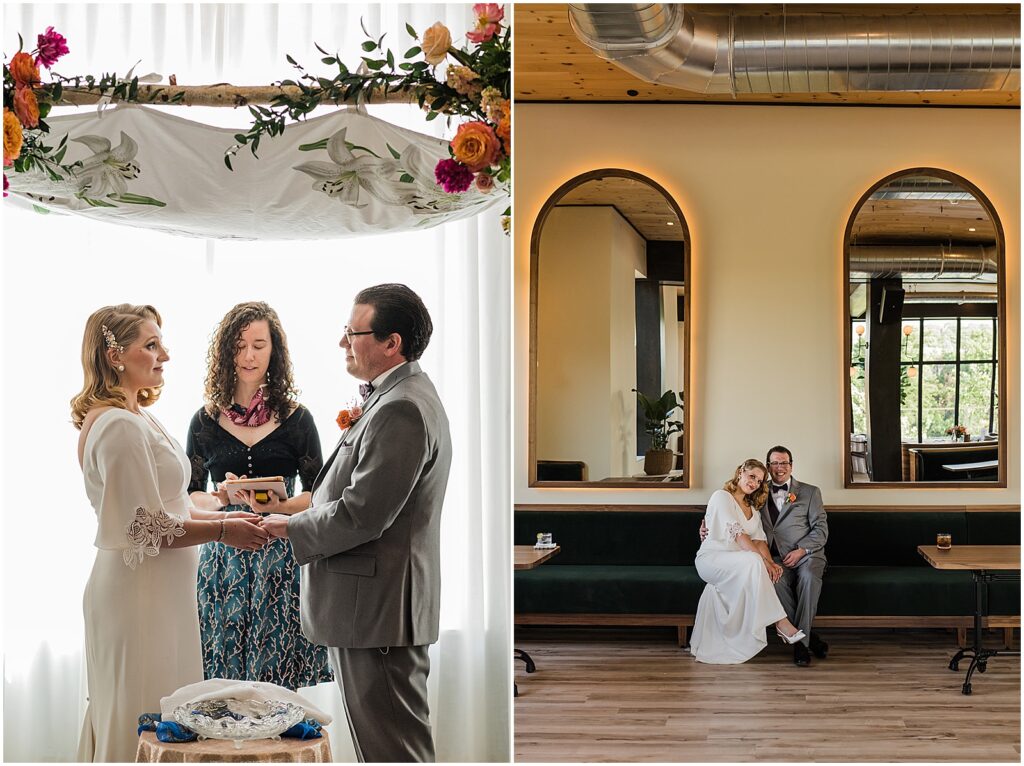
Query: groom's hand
{"x":792,"y":558}
{"x":276,"y":524}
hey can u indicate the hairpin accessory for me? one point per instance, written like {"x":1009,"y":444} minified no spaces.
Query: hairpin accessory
{"x":111,"y":341}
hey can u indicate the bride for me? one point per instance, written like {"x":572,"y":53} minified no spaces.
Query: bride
{"x":141,"y":619}
{"x":739,"y":599}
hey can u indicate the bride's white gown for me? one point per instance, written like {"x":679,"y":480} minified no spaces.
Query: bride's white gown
{"x":141,"y":620}
{"x":739,"y":600}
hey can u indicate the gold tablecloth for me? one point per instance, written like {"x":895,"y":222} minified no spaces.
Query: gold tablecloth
{"x":284,"y":750}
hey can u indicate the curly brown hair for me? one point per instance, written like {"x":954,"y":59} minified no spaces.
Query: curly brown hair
{"x":279,"y":392}
{"x":758,"y":497}
{"x":101,"y":387}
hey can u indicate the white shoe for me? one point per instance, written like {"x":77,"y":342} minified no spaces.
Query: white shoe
{"x":798,"y":636}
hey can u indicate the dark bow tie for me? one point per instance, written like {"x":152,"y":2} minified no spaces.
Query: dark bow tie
{"x":780,"y":488}
{"x":365,"y":389}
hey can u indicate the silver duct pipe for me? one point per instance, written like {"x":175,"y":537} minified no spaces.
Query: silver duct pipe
{"x":935,"y":261}
{"x":727,"y":52}
{"x":960,"y":296}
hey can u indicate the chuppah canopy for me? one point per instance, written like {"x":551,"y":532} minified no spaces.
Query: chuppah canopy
{"x":341,"y":174}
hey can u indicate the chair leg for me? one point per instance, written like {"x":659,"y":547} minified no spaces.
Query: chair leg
{"x":1008,"y":637}
{"x":961,"y":637}
{"x":683,"y":636}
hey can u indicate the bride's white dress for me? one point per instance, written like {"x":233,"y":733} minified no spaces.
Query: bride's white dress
{"x":141,"y":619}
{"x":739,"y":600}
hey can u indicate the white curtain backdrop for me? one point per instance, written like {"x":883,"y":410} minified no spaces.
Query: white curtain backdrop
{"x":57,"y":269}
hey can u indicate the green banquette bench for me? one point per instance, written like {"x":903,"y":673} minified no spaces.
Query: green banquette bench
{"x":635,"y":567}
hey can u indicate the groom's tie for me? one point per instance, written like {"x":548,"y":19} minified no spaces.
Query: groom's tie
{"x":365,"y":389}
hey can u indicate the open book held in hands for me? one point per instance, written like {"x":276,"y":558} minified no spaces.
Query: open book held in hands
{"x":260,"y":485}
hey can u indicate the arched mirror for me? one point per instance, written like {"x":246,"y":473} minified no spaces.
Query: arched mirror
{"x":609,"y":275}
{"x":926,"y":339}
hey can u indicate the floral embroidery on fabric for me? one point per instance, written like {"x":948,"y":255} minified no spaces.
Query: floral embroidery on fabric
{"x":733,"y":530}
{"x":145,"y":533}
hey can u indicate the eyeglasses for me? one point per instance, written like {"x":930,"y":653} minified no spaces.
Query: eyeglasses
{"x":349,"y":335}
{"x":779,"y":465}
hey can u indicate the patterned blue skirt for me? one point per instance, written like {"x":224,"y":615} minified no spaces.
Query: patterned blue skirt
{"x":249,"y":616}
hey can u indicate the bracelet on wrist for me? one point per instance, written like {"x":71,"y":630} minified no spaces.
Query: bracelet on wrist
{"x":222,"y":530}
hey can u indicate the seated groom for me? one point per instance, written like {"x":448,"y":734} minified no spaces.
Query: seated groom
{"x":795,"y":524}
{"x":797,"y":530}
{"x":369,"y":544}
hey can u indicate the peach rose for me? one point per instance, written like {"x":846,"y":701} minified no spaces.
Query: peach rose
{"x":12,"y":137}
{"x":476,"y":146}
{"x":436,"y":42}
{"x":484,"y":182}
{"x":24,"y":70}
{"x":26,"y":107}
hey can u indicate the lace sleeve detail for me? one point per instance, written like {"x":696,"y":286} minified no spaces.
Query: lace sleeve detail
{"x":146,"y":532}
{"x":734,"y":529}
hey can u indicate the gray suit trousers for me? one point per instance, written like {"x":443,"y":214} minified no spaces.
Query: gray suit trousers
{"x":384,"y":692}
{"x":798,"y":589}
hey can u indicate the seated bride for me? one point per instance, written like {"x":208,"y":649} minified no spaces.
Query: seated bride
{"x":739,"y":600}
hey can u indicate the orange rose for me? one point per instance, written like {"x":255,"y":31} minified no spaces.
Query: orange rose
{"x":24,"y":70}
{"x":12,"y":137}
{"x":476,"y":146}
{"x":26,"y":107}
{"x":436,"y":42}
{"x":505,"y":132}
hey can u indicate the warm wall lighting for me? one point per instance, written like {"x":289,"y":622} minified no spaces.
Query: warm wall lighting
{"x":911,"y":372}
{"x":859,"y":329}
{"x":907,"y":329}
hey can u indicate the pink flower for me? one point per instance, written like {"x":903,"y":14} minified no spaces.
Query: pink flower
{"x":484,"y":182}
{"x":453,"y":176}
{"x":52,"y":46}
{"x":488,"y":22}
{"x":7,"y":184}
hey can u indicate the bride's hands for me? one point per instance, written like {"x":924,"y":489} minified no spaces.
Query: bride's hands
{"x":774,"y":570}
{"x":243,"y":534}
{"x":252,"y":518}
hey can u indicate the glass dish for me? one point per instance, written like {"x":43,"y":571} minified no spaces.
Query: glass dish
{"x":238,"y":720}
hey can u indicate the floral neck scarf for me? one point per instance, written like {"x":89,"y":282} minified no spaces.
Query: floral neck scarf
{"x":256,"y":415}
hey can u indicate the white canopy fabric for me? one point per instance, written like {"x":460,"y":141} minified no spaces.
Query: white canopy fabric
{"x":145,"y":168}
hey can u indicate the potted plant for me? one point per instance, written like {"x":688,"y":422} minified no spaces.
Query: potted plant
{"x":659,"y":458}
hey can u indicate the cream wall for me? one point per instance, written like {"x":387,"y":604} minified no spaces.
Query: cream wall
{"x":586,"y":359}
{"x":766,"y":192}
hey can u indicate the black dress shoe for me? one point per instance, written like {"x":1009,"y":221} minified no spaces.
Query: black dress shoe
{"x":801,"y":657}
{"x":818,"y":647}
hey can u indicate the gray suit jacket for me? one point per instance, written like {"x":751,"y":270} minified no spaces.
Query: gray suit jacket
{"x":369,"y":545}
{"x":801,"y":524}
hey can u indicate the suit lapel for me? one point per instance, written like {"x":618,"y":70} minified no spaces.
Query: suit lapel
{"x":786,"y":505}
{"x":403,"y":372}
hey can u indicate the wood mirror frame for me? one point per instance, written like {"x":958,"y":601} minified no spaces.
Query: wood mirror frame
{"x":848,"y":472}
{"x":685,"y":437}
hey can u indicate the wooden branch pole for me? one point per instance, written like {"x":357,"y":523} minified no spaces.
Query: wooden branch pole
{"x":218,"y":95}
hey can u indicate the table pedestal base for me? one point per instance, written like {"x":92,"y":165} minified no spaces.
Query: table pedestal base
{"x":979,"y":655}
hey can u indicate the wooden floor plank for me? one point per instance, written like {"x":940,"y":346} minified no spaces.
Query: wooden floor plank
{"x":879,"y":696}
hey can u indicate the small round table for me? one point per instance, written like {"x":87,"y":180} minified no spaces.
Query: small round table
{"x":284,"y":750}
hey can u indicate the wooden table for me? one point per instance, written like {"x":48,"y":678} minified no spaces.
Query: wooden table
{"x":283,"y":750}
{"x":528,"y":557}
{"x":982,"y":561}
{"x":983,"y":469}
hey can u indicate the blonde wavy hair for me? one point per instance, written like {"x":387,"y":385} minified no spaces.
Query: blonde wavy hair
{"x":102,"y":387}
{"x":758,"y":497}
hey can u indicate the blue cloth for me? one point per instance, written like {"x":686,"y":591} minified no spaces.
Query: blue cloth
{"x":175,"y":732}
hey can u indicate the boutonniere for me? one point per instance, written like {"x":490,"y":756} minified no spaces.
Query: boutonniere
{"x":791,"y":498}
{"x":348,"y":416}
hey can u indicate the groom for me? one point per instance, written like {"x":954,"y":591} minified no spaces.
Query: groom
{"x":797,"y":529}
{"x":369,"y":544}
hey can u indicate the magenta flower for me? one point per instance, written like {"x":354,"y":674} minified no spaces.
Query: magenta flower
{"x":52,"y":46}
{"x":488,"y":22}
{"x":7,"y":184}
{"x":453,"y":176}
